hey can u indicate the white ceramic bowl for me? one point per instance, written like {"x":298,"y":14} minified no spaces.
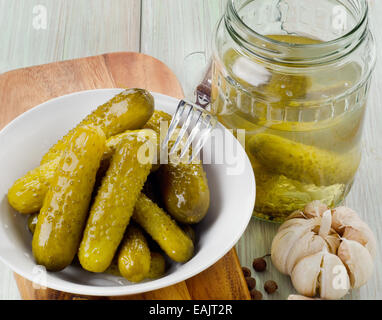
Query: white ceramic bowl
{"x":27,"y":138}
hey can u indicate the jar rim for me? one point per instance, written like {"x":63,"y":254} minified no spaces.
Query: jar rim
{"x":344,"y":41}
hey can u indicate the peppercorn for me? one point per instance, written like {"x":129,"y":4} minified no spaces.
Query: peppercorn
{"x":251,"y":282}
{"x":259,"y":264}
{"x":256,"y":295}
{"x":270,"y":286}
{"x":246,"y":272}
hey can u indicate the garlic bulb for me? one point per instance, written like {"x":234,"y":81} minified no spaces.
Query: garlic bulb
{"x":326,"y":252}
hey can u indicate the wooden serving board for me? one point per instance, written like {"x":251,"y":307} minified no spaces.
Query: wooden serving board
{"x":25,"y":88}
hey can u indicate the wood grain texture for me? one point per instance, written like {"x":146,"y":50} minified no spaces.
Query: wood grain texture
{"x":226,"y":283}
{"x":131,"y":70}
{"x":75,"y":29}
{"x":171,"y":31}
{"x":40,"y":83}
{"x":180,"y":34}
{"x":28,"y":292}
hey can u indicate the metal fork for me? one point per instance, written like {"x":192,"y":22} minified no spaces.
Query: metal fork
{"x":203,"y":123}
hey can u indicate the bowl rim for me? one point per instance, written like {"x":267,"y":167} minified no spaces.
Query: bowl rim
{"x":121,"y":290}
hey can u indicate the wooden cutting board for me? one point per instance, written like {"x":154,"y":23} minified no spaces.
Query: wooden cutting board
{"x":25,"y":88}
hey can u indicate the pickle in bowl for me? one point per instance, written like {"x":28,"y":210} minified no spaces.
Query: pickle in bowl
{"x":184,"y":187}
{"x":63,"y":215}
{"x":87,"y":205}
{"x":27,"y":193}
{"x":159,"y":225}
{"x":157,"y":266}
{"x":129,"y":110}
{"x":113,"y":205}
{"x":134,"y":257}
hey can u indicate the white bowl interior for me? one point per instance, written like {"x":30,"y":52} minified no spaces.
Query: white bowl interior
{"x":28,"y":137}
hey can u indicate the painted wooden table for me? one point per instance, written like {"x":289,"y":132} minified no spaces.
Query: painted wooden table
{"x":179,"y":33}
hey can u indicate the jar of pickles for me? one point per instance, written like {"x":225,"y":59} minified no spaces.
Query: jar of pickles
{"x":295,"y":76}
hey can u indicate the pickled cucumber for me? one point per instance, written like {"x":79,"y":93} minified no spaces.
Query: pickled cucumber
{"x":113,"y":269}
{"x":63,"y":215}
{"x":184,"y":187}
{"x":27,"y":193}
{"x":157,"y":266}
{"x":302,"y":162}
{"x":113,"y":142}
{"x":170,"y":237}
{"x":134,"y":256}
{"x":154,"y":122}
{"x":279,"y":196}
{"x":185,"y":191}
{"x":129,"y":110}
{"x":189,"y":231}
{"x":32,"y":222}
{"x":113,"y":206}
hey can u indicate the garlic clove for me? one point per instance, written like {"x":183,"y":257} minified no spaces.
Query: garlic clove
{"x":292,"y":222}
{"x":327,"y":233}
{"x":353,"y":234}
{"x":359,"y":231}
{"x":285,"y":239}
{"x":315,"y":209}
{"x":333,"y":241}
{"x":358,"y":261}
{"x":300,"y":222}
{"x":334,"y":280}
{"x":308,"y":244}
{"x":305,"y":274}
{"x":326,"y":223}
{"x":342,"y":217}
{"x":296,"y":214}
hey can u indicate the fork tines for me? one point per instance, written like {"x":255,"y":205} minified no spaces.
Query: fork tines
{"x":192,"y":116}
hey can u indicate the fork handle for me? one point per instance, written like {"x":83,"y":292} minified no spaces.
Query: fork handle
{"x":203,"y":90}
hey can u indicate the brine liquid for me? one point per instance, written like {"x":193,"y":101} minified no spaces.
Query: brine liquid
{"x":302,"y":128}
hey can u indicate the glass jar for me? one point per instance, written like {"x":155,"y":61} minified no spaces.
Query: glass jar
{"x":295,"y":76}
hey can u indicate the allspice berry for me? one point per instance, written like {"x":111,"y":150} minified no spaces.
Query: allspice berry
{"x":246,"y":272}
{"x":251,"y":282}
{"x":259,"y":264}
{"x":256,"y":295}
{"x":270,"y":286}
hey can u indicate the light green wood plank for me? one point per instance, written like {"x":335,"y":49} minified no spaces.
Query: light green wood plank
{"x":366,"y":194}
{"x":75,"y":28}
{"x":173,"y":29}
